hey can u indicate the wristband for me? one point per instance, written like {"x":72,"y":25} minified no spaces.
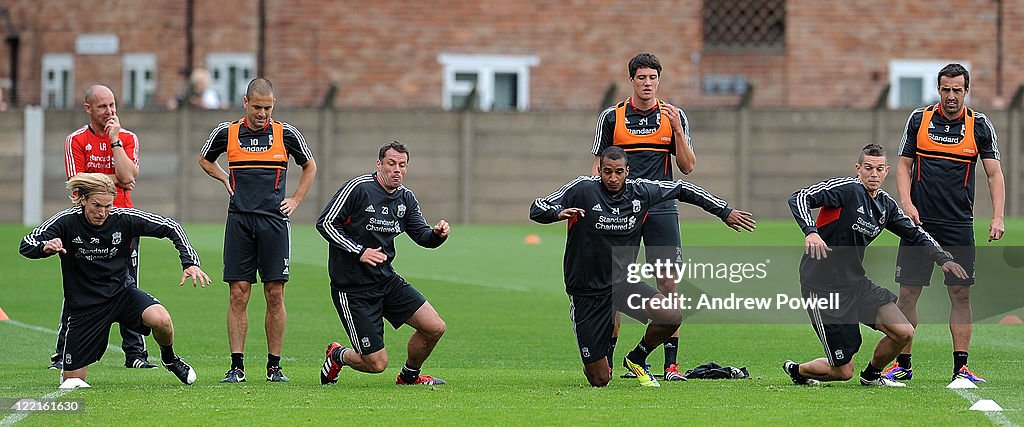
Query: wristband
{"x":116,"y":144}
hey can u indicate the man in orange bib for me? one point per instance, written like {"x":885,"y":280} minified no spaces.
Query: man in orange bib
{"x":257,"y":236}
{"x":935,"y":179}
{"x":651,"y":132}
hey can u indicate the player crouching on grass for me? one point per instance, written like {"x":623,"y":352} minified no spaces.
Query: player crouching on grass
{"x":854,"y":211}
{"x":361,"y":223}
{"x":94,"y":242}
{"x":605,"y":217}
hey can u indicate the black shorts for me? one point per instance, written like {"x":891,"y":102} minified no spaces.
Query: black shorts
{"x":88,"y":332}
{"x":914,"y":267}
{"x":593,"y":317}
{"x":661,"y":238}
{"x":839,"y":329}
{"x":362,"y":312}
{"x":256,"y":242}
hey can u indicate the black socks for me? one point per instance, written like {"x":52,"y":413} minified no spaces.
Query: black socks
{"x":671,"y":349}
{"x":167,"y":354}
{"x":794,"y":370}
{"x":903,"y":360}
{"x":237,"y":361}
{"x":959,"y":360}
{"x":870,"y":372}
{"x":409,"y":375}
{"x":338,"y":355}
{"x":639,"y":354}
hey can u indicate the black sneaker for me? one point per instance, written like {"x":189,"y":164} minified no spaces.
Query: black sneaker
{"x":182,"y":370}
{"x":139,"y":363}
{"x":234,"y":376}
{"x":275,"y":375}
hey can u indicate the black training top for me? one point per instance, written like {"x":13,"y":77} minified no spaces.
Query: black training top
{"x":849,"y":220}
{"x":942,"y":178}
{"x":361,"y":215}
{"x":602,"y":242}
{"x":95,"y":267}
{"x":257,"y":190}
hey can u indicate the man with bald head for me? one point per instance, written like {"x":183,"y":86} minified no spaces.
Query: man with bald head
{"x":257,"y":236}
{"x":102,"y":146}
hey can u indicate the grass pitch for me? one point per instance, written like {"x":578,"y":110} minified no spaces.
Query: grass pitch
{"x":508,"y":356}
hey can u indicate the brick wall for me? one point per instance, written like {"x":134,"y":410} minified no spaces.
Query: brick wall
{"x":836,"y":48}
{"x":384,"y":55}
{"x":52,"y":26}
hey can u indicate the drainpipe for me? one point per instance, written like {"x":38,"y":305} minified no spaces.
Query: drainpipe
{"x":13,"y":40}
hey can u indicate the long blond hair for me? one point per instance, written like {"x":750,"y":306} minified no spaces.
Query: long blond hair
{"x":84,"y":185}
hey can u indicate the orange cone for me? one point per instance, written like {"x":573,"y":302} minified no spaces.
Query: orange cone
{"x":3,"y":316}
{"x":532,"y":239}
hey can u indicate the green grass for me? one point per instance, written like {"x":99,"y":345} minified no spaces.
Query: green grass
{"x":509,"y":354}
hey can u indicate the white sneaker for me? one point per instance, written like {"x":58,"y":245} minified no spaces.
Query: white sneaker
{"x":882,"y":382}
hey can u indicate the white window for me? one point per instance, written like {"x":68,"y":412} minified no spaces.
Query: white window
{"x":58,"y":80}
{"x":230,"y":74}
{"x":502,"y":81}
{"x":139,"y":80}
{"x":914,"y":83}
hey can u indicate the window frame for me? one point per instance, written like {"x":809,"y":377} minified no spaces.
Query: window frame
{"x":485,"y":67}
{"x":927,"y":70}
{"x":218,"y":63}
{"x":140,"y":63}
{"x":59,"y":63}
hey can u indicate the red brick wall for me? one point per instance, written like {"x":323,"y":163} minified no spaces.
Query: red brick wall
{"x":51,"y":26}
{"x":1013,"y":42}
{"x":834,"y":48}
{"x":384,"y":54}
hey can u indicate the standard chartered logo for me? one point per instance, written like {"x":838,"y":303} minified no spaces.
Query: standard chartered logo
{"x":615,"y":223}
{"x":384,"y":225}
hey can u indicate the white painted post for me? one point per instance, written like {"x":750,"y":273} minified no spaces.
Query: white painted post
{"x":32,"y":199}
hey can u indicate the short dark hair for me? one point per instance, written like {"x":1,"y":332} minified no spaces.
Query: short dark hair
{"x":953,"y":70}
{"x":614,"y":153}
{"x":393,"y":145}
{"x":873,"y":150}
{"x":260,"y":85}
{"x":644,"y":60}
